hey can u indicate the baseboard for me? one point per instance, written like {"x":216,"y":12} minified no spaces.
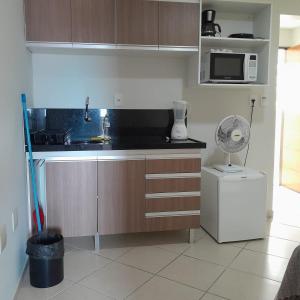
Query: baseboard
{"x":21,"y":277}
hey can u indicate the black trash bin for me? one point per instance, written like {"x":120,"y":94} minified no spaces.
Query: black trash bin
{"x":46,"y":253}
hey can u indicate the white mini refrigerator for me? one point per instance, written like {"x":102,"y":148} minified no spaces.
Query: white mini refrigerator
{"x":233,"y":205}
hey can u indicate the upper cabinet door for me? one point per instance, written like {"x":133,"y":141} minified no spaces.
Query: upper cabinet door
{"x":179,"y":24}
{"x":48,"y":20}
{"x":137,"y":22}
{"x":93,"y":21}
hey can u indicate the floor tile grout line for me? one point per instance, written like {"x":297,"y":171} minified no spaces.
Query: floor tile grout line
{"x":158,"y":246}
{"x":229,"y":267}
{"x":78,"y":284}
{"x":181,"y":283}
{"x":115,"y":259}
{"x":225,"y":269}
{"x":173,"y":260}
{"x":232,"y":261}
{"x":213,"y":294}
{"x":253,"y":274}
{"x":140,"y":286}
{"x":61,"y":291}
{"x":92,"y":273}
{"x":134,"y":267}
{"x":280,"y":223}
{"x":208,"y":261}
{"x":152,"y":273}
{"x":285,"y":239}
{"x":157,"y":275}
{"x":261,"y":252}
{"x":98,"y":292}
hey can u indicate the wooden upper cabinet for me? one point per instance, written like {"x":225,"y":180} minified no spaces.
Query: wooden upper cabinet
{"x":179,"y":24}
{"x":137,"y":22}
{"x":121,"y":188}
{"x":93,"y":21}
{"x":48,"y":20}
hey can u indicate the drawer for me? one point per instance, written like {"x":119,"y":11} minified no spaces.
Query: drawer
{"x":182,"y":165}
{"x":172,"y":223}
{"x":170,"y":185}
{"x":172,"y":204}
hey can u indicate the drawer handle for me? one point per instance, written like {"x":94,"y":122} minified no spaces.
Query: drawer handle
{"x":173,"y":214}
{"x":173,"y":175}
{"x":172,"y":195}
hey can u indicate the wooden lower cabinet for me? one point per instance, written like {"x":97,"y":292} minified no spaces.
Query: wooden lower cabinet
{"x":71,"y":191}
{"x":121,"y":186}
{"x":115,"y":196}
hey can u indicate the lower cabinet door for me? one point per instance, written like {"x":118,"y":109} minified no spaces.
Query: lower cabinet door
{"x":71,"y":191}
{"x":121,"y":189}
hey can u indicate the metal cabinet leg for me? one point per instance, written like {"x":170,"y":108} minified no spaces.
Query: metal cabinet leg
{"x":192,"y":237}
{"x":97,"y":242}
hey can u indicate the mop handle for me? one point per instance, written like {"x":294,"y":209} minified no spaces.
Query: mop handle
{"x":32,"y":169}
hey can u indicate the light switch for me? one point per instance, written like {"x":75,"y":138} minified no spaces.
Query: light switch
{"x":3,"y":238}
{"x":15,"y":219}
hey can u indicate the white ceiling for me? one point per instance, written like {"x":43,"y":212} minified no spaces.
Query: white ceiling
{"x":289,"y":21}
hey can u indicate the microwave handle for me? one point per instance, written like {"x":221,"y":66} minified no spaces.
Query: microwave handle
{"x":246,"y":64}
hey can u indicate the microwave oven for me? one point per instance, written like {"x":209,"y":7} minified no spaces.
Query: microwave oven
{"x":228,"y":67}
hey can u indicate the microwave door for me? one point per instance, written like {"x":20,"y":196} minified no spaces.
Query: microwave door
{"x":227,"y":67}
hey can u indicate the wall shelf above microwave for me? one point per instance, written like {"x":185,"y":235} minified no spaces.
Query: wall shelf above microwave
{"x":224,"y":42}
{"x":236,"y":16}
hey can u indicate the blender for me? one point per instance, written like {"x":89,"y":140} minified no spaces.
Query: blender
{"x":179,"y":130}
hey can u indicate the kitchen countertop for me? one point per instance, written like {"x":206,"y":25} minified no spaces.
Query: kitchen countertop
{"x":125,"y":143}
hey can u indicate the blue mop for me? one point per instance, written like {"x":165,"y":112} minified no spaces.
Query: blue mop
{"x":32,"y":168}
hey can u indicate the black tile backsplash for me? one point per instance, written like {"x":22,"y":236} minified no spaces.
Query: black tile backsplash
{"x":124,"y":122}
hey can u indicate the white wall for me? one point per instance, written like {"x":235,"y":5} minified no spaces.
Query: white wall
{"x":15,"y":77}
{"x":64,"y":80}
{"x":296,"y":37}
{"x":286,"y":37}
{"x":289,"y":37}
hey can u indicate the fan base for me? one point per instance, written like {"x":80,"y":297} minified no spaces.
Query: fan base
{"x":229,"y":168}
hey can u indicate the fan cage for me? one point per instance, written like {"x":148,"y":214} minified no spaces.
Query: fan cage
{"x":224,"y":132}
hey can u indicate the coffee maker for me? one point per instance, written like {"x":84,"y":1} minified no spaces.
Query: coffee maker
{"x":209,"y":28}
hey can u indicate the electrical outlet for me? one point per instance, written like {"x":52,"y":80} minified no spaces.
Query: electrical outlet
{"x":118,"y":100}
{"x":253,"y":97}
{"x":15,"y":219}
{"x":3,"y":238}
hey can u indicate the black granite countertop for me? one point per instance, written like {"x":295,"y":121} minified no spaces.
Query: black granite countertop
{"x":126,"y":143}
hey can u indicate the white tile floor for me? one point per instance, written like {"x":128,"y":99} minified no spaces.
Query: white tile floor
{"x":162,"y":266}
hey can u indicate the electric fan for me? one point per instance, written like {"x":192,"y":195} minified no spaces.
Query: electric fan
{"x":232,"y":136}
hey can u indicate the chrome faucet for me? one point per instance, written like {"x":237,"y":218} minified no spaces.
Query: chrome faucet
{"x":86,"y":115}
